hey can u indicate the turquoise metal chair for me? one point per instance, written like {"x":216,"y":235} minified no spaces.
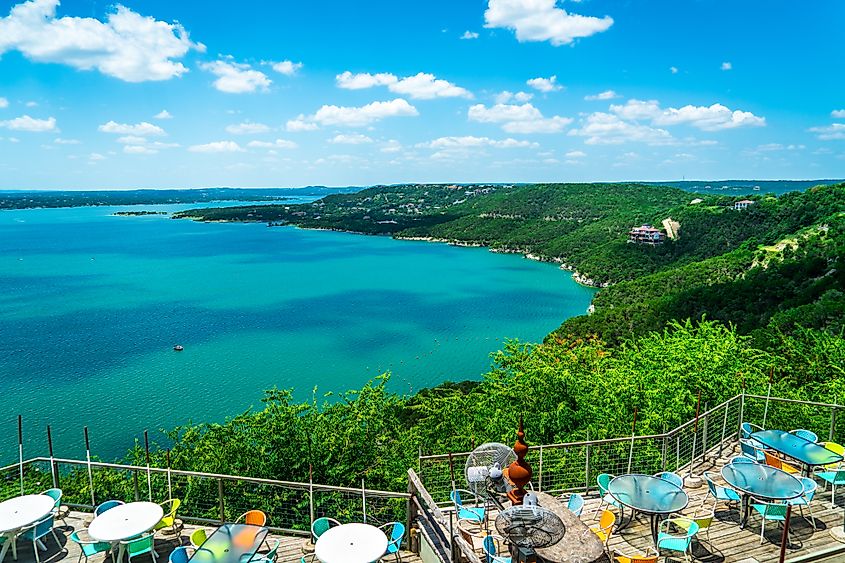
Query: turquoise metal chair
{"x":59,"y":511}
{"x":834,"y":478}
{"x":718,"y":492}
{"x":139,"y":546}
{"x":310,"y":558}
{"x":179,"y":555}
{"x":806,"y":497}
{"x":747,"y":429}
{"x":320,"y":525}
{"x":770,"y":511}
{"x":397,"y":533}
{"x":89,"y":547}
{"x":673,"y":478}
{"x":37,"y":531}
{"x":575,"y":503}
{"x":603,"y":481}
{"x":749,"y":450}
{"x":491,"y":550}
{"x":808,"y":435}
{"x":679,"y":542}
{"x":270,"y":556}
{"x":741,"y":459}
{"x":470,"y":513}
{"x":108,"y":505}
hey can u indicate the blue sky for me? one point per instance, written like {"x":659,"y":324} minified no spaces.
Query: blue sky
{"x":275,"y":93}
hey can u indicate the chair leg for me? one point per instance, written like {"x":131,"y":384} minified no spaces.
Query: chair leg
{"x":35,"y":549}
{"x":762,"y":530}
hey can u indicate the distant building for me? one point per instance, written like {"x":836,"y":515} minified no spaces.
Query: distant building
{"x":646,"y":235}
{"x":743,"y":204}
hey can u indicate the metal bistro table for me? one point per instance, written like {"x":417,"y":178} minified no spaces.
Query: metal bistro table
{"x":125,"y":522}
{"x":648,"y":494}
{"x":800,"y":449}
{"x":351,"y":543}
{"x":579,"y":543}
{"x":230,"y":543}
{"x":760,"y":481}
{"x":20,"y":512}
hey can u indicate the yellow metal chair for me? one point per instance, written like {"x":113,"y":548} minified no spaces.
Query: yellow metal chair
{"x":605,"y":527}
{"x":835,"y":448}
{"x":169,"y":519}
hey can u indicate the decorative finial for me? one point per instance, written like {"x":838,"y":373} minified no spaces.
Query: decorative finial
{"x":519,"y":472}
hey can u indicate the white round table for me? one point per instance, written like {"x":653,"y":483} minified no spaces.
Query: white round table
{"x":124,"y":522}
{"x":19,"y":512}
{"x":351,"y":543}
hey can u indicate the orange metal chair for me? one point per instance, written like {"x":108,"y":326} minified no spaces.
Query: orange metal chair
{"x":605,"y":527}
{"x":777,"y":463}
{"x":651,"y":556}
{"x":252,"y":517}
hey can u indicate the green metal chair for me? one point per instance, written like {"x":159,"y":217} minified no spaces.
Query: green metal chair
{"x":89,"y":547}
{"x":39,"y":530}
{"x":603,"y":481}
{"x":770,"y":511}
{"x":677,"y":542}
{"x":198,"y":537}
{"x":169,"y":519}
{"x":139,"y":546}
{"x":320,"y":525}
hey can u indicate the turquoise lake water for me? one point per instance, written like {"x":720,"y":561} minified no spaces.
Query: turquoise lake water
{"x":92,"y":304}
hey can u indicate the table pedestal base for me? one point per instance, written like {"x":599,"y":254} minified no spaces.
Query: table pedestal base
{"x":838,"y":534}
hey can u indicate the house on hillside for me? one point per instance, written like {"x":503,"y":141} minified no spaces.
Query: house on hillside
{"x":743,"y":204}
{"x":646,"y":234}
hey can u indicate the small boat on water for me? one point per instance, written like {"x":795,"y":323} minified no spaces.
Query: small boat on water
{"x":178,"y":348}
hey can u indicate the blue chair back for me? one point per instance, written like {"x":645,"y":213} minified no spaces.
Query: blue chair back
{"x":41,"y":528}
{"x":396,"y":535}
{"x":810,"y":487}
{"x":179,"y":555}
{"x":742,"y":459}
{"x":808,"y":435}
{"x":575,"y":504}
{"x":603,"y":481}
{"x":455,"y":496}
{"x":55,"y":494}
{"x":108,"y":505}
{"x":490,"y":545}
{"x":673,"y":478}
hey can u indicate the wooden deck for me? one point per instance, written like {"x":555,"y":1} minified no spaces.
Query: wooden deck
{"x":291,"y":550}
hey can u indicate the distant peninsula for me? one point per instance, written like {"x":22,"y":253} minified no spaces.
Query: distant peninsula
{"x":139,"y":213}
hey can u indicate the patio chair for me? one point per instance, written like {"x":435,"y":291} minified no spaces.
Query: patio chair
{"x":673,"y":478}
{"x":607,"y":499}
{"x":108,"y":505}
{"x":140,"y":545}
{"x":473,"y":514}
{"x":651,"y":556}
{"x":574,"y":503}
{"x":834,"y":478}
{"x":179,"y":555}
{"x":778,"y":463}
{"x":704,"y":519}
{"x":605,"y":527}
{"x":677,"y":542}
{"x":394,"y":538}
{"x":741,"y":459}
{"x":835,"y":448}
{"x":310,"y":558}
{"x":747,"y":429}
{"x":169,"y":519}
{"x":492,"y":549}
{"x":320,"y":525}
{"x":60,"y":512}
{"x":718,"y":492}
{"x":198,"y":537}
{"x":88,"y":546}
{"x":808,"y":435}
{"x":37,"y":531}
{"x":252,"y":517}
{"x":810,"y":487}
{"x":770,"y":511}
{"x":749,"y":450}
{"x":270,"y":556}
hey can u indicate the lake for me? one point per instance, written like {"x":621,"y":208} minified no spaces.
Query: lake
{"x":93,"y":304}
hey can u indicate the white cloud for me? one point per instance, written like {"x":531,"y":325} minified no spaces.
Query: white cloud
{"x":726,"y":65}
{"x":217,"y":146}
{"x":247,"y":128}
{"x":277,"y":144}
{"x":127,"y":45}
{"x":469,"y":35}
{"x":715,"y":117}
{"x":545,"y":84}
{"x":236,"y":78}
{"x":163,"y":114}
{"x":606,"y":95}
{"x":138,"y":149}
{"x":355,"y":116}
{"x":470,"y":141}
{"x":504,"y":97}
{"x":31,"y":124}
{"x":834,"y":132}
{"x":352,"y":139}
{"x":391,"y":146}
{"x":673,"y":69}
{"x":139,"y":129}
{"x":29,"y":104}
{"x":523,"y":118}
{"x":575,"y":154}
{"x":542,"y":20}
{"x":608,"y":129}
{"x":421,"y":86}
{"x":4,"y":103}
{"x":141,"y":145}
{"x":95,"y":156}
{"x":60,"y":141}
{"x":288,"y":68}
{"x":300,"y":124}
{"x":838,"y":114}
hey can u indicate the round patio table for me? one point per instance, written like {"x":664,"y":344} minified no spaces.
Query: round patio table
{"x":760,"y":481}
{"x":351,"y":543}
{"x":19,"y":512}
{"x":125,"y":522}
{"x":648,"y":494}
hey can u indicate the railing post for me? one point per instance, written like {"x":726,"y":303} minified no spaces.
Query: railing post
{"x":220,"y":499}
{"x":587,"y":465}
{"x":54,"y":469}
{"x":677,"y":451}
{"x":724,"y":426}
{"x":832,"y":423}
{"x":741,"y":415}
{"x":663,"y":449}
{"x":540,"y":488}
{"x":135,"y":485}
{"x":364,"y":500}
{"x":704,"y":432}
